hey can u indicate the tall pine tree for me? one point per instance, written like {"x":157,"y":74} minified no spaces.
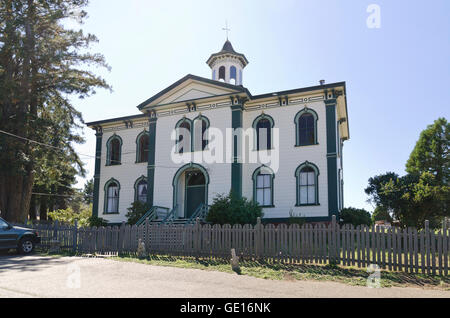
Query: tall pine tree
{"x":41,"y":64}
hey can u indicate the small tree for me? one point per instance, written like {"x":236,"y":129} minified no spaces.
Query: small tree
{"x":431,"y":152}
{"x":355,"y":216}
{"x":136,"y":211}
{"x":229,"y":209}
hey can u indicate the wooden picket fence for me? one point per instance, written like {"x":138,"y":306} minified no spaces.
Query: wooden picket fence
{"x":408,"y":250}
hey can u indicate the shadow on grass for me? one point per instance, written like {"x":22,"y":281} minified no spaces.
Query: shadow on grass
{"x":325,"y":272}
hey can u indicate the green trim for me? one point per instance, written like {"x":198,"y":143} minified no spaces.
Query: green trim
{"x":333,"y":208}
{"x":151,"y":161}
{"x":286,"y":220}
{"x":297,"y":183}
{"x":272,"y":176}
{"x":98,"y":155}
{"x":108,"y":154}
{"x":105,"y":190}
{"x":331,"y":125}
{"x":187,"y":167}
{"x":297,"y":128}
{"x":138,"y":145}
{"x":255,"y":132}
{"x":332,"y":186}
{"x":236,"y":165}
{"x":138,"y":180}
{"x":117,"y":119}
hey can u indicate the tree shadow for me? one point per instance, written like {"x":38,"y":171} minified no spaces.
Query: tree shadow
{"x":13,"y":261}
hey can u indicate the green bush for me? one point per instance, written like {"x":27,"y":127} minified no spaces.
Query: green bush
{"x":355,"y":216}
{"x":84,"y":217}
{"x":296,"y":218}
{"x":229,"y":209}
{"x":136,"y":211}
{"x":96,"y":221}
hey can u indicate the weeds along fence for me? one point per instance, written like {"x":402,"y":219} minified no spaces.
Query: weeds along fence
{"x":409,"y":250}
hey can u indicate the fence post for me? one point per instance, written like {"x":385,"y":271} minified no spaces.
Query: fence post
{"x":197,"y":237}
{"x":55,"y":230}
{"x":121,"y":238}
{"x":332,"y":249}
{"x":258,"y":240}
{"x":75,"y":236}
{"x":427,"y":247}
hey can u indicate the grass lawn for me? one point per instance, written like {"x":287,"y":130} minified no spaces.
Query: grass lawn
{"x":280,"y":271}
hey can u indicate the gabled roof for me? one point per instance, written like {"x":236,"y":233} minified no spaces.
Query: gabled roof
{"x":219,"y":84}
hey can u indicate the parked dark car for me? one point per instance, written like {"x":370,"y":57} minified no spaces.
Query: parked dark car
{"x":20,"y":238}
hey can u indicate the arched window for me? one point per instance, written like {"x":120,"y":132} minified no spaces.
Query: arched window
{"x":222,"y":73}
{"x":201,"y":124}
{"x":263,"y":186}
{"x":307,"y":184}
{"x":112,"y":191}
{"x":142,"y":144}
{"x":262,"y":126}
{"x":233,"y":75}
{"x":140,"y":188}
{"x":214,"y":74}
{"x":184,"y":132}
{"x":114,"y":150}
{"x":306,"y":127}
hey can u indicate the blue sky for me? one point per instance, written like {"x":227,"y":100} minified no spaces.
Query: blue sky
{"x":398,"y":75}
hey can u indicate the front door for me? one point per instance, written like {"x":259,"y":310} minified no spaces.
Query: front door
{"x":195,"y":192}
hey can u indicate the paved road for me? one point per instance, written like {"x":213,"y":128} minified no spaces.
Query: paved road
{"x":41,"y":276}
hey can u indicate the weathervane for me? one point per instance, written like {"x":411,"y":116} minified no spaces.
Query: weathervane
{"x":226,"y":28}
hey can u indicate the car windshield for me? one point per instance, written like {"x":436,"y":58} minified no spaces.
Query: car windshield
{"x":3,"y":224}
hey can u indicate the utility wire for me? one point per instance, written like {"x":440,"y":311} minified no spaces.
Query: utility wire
{"x":37,"y":142}
{"x":81,"y":154}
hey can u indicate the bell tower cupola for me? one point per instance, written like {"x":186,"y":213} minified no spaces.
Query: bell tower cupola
{"x":227,"y":65}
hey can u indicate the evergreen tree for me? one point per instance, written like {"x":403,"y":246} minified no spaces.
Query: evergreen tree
{"x":41,"y":64}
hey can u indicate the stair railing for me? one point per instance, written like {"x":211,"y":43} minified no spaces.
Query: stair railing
{"x":170,"y":216}
{"x":201,"y":212}
{"x":152,"y":214}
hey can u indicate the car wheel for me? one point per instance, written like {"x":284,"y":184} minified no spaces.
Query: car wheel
{"x":26,"y":245}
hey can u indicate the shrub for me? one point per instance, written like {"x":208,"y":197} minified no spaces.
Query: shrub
{"x":83,"y":217}
{"x":296,"y":218}
{"x":355,"y":216}
{"x":136,"y":211}
{"x":381,"y":213}
{"x":97,"y":221}
{"x":229,"y":209}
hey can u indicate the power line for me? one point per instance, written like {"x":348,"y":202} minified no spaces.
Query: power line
{"x":59,"y":195}
{"x":37,"y":142}
{"x":81,"y":154}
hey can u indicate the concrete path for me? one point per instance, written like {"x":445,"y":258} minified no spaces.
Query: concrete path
{"x":41,"y":276}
